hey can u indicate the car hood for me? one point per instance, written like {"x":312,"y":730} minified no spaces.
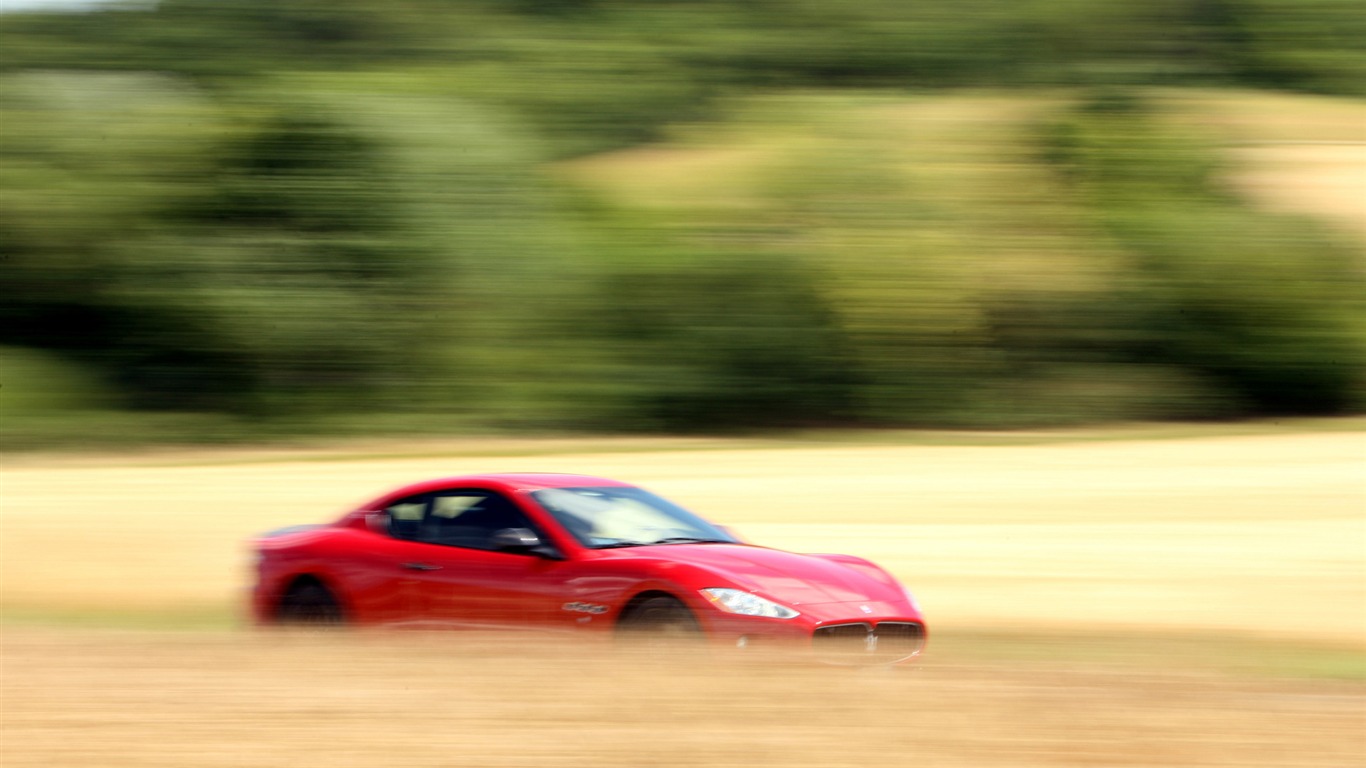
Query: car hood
{"x":788,"y":577}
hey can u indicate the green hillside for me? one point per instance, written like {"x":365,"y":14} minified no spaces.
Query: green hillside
{"x":1003,"y":257}
{"x":243,"y":219}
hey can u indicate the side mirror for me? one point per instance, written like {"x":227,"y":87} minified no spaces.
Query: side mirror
{"x":515,"y":538}
{"x":522,"y":540}
{"x":377,"y":522}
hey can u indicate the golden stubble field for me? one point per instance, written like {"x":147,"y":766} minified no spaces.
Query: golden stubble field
{"x":135,"y":700}
{"x":1253,"y":538}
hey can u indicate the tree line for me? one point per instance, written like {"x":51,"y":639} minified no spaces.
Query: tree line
{"x":288,"y":212}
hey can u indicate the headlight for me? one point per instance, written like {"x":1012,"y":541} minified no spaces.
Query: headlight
{"x":746,"y":604}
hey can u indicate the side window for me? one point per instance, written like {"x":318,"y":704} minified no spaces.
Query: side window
{"x":469,"y":518}
{"x":405,"y":518}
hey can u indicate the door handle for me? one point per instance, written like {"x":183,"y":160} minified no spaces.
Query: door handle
{"x":421,"y":567}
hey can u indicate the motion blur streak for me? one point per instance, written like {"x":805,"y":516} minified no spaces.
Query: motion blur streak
{"x":131,"y":700}
{"x":236,"y":219}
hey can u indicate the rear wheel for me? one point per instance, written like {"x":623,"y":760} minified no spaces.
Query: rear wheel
{"x":310,"y":605}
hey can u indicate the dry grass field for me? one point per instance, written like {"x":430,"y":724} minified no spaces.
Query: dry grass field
{"x":1195,"y":601}
{"x":133,"y":700}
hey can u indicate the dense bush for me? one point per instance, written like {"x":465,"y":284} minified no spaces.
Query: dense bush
{"x":284,"y":254}
{"x":701,"y":339}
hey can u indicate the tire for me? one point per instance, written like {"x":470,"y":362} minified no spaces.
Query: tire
{"x":310,"y":605}
{"x":661,"y":620}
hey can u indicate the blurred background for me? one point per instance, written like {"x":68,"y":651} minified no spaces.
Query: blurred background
{"x":788,"y":252}
{"x":245,"y":219}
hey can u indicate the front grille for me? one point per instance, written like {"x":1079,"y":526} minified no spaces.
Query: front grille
{"x":862,"y":643}
{"x":900,"y":639}
{"x":844,"y":634}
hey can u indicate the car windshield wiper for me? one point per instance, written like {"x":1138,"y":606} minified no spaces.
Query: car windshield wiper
{"x":669,"y":540}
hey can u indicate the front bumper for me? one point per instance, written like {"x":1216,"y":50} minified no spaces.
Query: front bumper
{"x":893,"y":639}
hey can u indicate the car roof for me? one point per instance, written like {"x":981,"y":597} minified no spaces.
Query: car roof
{"x":505,"y":481}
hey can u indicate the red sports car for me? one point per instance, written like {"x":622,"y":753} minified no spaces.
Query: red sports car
{"x":576,"y":553}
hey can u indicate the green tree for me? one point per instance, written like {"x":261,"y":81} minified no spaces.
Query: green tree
{"x":1267,"y":307}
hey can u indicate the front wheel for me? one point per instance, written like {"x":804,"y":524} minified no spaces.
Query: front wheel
{"x":660,"y":621}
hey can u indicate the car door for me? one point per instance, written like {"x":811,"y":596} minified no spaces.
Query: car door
{"x":463,"y":579}
{"x":384,"y":574}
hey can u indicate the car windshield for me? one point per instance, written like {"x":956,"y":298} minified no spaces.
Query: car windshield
{"x":615,"y":516}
